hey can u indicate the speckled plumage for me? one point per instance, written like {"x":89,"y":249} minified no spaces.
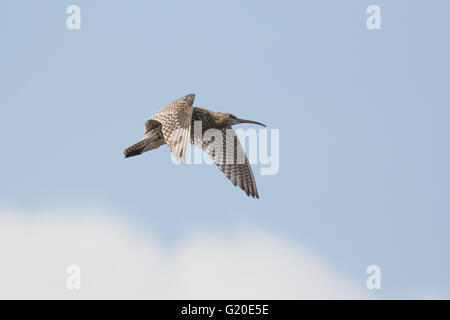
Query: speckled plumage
{"x":174,"y":124}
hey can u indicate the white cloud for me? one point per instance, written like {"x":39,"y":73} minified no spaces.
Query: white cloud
{"x":118,"y":262}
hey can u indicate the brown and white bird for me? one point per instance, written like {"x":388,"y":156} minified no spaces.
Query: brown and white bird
{"x":174,"y":125}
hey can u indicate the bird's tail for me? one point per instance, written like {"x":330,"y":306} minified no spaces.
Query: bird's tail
{"x":150,"y":141}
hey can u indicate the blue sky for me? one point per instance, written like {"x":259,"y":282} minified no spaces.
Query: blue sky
{"x":363,"y":118}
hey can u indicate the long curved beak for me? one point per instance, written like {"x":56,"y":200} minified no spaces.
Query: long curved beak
{"x":250,"y":121}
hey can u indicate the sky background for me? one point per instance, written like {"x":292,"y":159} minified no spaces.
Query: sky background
{"x":363,"y":118}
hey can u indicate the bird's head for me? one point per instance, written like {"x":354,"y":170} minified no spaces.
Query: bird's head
{"x":229,"y":119}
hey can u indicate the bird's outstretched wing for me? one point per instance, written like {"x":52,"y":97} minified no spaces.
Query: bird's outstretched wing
{"x":175,"y":119}
{"x":227,"y":153}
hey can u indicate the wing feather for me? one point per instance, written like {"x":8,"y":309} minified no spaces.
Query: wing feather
{"x":176,"y":125}
{"x":231,"y":159}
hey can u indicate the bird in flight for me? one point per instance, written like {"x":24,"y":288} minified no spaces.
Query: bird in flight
{"x":179,"y":124}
